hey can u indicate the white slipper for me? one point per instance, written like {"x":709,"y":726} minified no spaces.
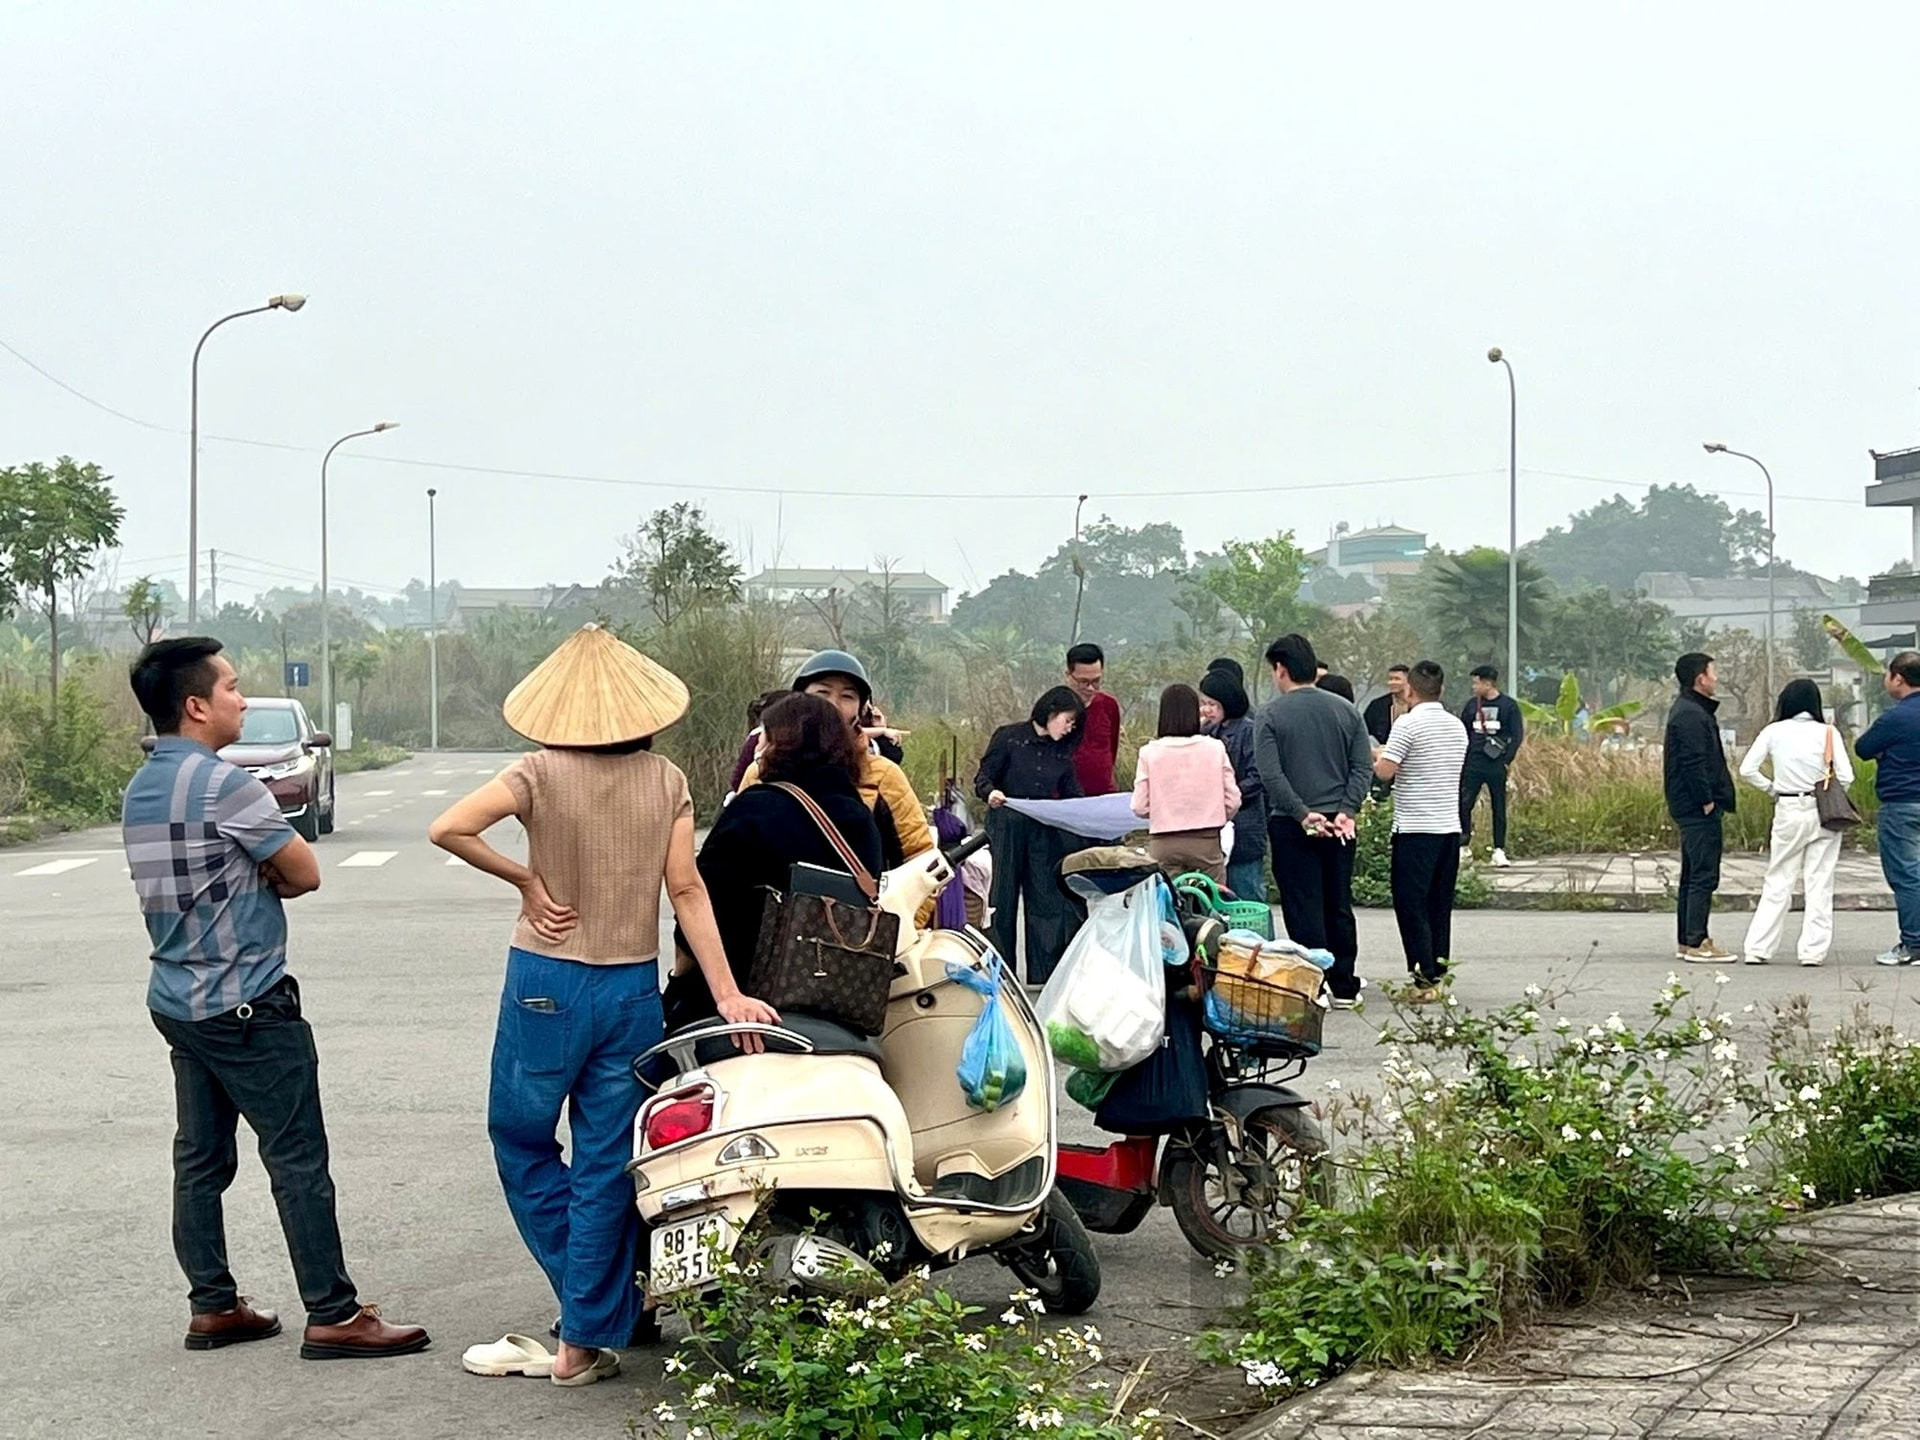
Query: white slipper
{"x":606,"y":1365}
{"x":509,"y":1355}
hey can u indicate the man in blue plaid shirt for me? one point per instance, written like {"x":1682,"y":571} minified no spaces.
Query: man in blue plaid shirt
{"x":212,"y":860}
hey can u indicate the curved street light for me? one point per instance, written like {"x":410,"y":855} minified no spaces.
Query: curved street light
{"x":288,"y":303}
{"x":1714,"y":447}
{"x":326,"y":630}
{"x":1497,"y":357}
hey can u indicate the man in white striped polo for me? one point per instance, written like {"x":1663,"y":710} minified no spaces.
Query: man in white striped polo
{"x":1423,"y":757}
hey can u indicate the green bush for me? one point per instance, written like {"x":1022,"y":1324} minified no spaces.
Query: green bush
{"x":1846,"y":1110}
{"x":1513,"y":1161}
{"x":74,"y":766}
{"x":901,"y":1363}
{"x":368,"y":755}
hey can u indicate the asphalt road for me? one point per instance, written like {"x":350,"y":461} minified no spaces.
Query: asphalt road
{"x":399,"y":957}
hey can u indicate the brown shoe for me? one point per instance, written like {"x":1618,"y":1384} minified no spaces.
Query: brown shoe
{"x":364,"y":1337}
{"x":231,"y":1327}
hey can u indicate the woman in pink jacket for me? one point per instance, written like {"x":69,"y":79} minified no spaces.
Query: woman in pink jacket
{"x":1184,"y":789}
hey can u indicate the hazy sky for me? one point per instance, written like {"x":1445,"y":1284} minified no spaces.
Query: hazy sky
{"x":975,"y":259}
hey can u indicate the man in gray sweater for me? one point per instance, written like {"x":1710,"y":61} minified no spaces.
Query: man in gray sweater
{"x":1316,"y":762}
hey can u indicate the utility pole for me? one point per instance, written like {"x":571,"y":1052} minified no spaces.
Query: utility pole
{"x":213,"y":581}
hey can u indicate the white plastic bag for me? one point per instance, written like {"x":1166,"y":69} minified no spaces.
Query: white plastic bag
{"x":1105,"y":1006}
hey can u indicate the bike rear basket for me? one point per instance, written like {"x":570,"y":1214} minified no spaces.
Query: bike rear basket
{"x":1259,"y":1016}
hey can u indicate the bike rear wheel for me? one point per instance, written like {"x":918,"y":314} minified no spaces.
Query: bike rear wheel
{"x":1281,"y":1164}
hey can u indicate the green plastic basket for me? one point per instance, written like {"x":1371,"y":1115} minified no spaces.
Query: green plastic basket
{"x":1254,"y":915}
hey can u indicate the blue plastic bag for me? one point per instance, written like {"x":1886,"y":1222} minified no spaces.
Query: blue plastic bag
{"x":992,"y":1071}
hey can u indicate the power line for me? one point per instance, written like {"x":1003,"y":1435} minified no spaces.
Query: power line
{"x":510,"y":473}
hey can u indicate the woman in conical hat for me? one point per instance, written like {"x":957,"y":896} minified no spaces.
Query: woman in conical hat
{"x":607,"y":821}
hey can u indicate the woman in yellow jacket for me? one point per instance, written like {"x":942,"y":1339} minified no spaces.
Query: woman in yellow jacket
{"x":840,"y":679}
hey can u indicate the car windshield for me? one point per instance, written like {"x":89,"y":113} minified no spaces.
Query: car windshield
{"x":269,"y":727}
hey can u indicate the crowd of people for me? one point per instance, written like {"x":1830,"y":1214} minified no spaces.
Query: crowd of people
{"x":609,"y":824}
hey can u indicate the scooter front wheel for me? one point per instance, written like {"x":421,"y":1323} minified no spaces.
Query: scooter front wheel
{"x":1057,"y":1261}
{"x":1282,"y":1161}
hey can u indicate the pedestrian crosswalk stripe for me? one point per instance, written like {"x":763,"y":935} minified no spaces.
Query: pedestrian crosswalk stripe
{"x":456,"y":860}
{"x":57,"y":867}
{"x":433,"y":792}
{"x":376,"y":794}
{"x":367,"y":859}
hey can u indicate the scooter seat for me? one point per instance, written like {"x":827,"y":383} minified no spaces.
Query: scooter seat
{"x":827,"y":1037}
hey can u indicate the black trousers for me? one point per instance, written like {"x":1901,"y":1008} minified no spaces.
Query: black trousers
{"x":1315,"y":876}
{"x":1700,"y":846}
{"x":1425,"y":869}
{"x":264,"y":1067}
{"x":1026,"y":863}
{"x":1491,"y":775}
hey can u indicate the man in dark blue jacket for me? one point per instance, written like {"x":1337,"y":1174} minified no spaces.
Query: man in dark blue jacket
{"x":1699,"y":795}
{"x":1893,"y":743}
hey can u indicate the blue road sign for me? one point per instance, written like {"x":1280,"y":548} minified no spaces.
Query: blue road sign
{"x":296,"y":675}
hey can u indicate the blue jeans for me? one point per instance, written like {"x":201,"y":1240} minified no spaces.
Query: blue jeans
{"x":1900,"y":863}
{"x":1248,"y":879}
{"x":567,"y":1037}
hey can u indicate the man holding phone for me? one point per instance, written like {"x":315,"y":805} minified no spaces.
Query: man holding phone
{"x":212,"y":859}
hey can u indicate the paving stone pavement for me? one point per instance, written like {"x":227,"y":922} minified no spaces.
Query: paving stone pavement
{"x":1832,"y":1354}
{"x":1647,"y":880}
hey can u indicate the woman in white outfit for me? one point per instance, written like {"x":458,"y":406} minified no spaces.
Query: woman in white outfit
{"x":1800,"y":849}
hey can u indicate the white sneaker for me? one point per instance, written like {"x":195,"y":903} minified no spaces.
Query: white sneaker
{"x":1898,"y":955}
{"x":1352,"y":1002}
{"x":1500,"y":861}
{"x":1821,"y":961}
{"x":1755,"y":960}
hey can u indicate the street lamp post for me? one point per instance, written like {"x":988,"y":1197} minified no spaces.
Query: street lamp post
{"x":433,"y":630}
{"x":326,"y":628}
{"x":1714,"y":447}
{"x":1079,"y":572}
{"x":288,"y":303}
{"x":1513,"y":522}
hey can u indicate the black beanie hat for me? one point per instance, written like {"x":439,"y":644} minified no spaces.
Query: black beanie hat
{"x":1219,"y":686}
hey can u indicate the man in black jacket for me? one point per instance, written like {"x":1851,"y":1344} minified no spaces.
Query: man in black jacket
{"x":1494,"y":733}
{"x":1699,"y":794}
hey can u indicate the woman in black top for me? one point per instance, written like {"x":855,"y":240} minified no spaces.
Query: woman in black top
{"x":1032,"y":760}
{"x":765,"y":831}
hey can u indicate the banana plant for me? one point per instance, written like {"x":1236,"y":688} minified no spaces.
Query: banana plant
{"x":1851,"y":643}
{"x":1560,"y":717}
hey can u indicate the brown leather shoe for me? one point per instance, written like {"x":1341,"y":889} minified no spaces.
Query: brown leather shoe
{"x":231,"y":1327}
{"x":365,"y":1337}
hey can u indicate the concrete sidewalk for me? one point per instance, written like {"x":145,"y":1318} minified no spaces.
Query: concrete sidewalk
{"x":1647,"y":880}
{"x":1833,"y":1353}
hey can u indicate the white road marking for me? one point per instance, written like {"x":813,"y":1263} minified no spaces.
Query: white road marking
{"x":446,"y":772}
{"x":453,"y":860}
{"x":375,"y":794}
{"x":57,"y":867}
{"x":367,"y":859}
{"x":485,"y":770}
{"x":433,"y":792}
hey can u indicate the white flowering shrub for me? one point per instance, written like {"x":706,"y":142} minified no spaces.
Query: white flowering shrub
{"x":909,"y":1362}
{"x":1514,"y":1159}
{"x":1844,"y":1111}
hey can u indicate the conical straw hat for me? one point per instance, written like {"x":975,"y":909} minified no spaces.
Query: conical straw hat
{"x":595,"y":690}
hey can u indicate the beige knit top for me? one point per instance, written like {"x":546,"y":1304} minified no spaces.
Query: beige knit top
{"x":597,"y":832}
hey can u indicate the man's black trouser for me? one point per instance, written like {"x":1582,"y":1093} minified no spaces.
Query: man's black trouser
{"x":1425,"y":870}
{"x":1481,"y":772}
{"x":1315,"y":876}
{"x":1026,"y":861}
{"x":1700,"y":844}
{"x":262,"y":1065}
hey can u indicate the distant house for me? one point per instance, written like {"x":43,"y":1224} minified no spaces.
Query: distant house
{"x":925,"y":597}
{"x":1374,"y":553}
{"x":471,"y":603}
{"x":1741,"y":603}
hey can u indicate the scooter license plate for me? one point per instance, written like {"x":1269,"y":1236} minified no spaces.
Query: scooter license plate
{"x":688,"y":1254}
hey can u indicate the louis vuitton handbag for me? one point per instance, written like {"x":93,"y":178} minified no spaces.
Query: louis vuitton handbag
{"x":1830,"y":797}
{"x":820,"y":954}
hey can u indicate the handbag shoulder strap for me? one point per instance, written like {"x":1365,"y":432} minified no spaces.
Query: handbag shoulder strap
{"x":861,"y":876}
{"x":1829,"y":755}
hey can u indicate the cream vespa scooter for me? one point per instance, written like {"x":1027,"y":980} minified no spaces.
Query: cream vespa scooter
{"x":876,"y":1135}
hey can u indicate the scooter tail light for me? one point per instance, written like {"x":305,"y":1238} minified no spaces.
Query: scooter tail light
{"x":678,"y":1118}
